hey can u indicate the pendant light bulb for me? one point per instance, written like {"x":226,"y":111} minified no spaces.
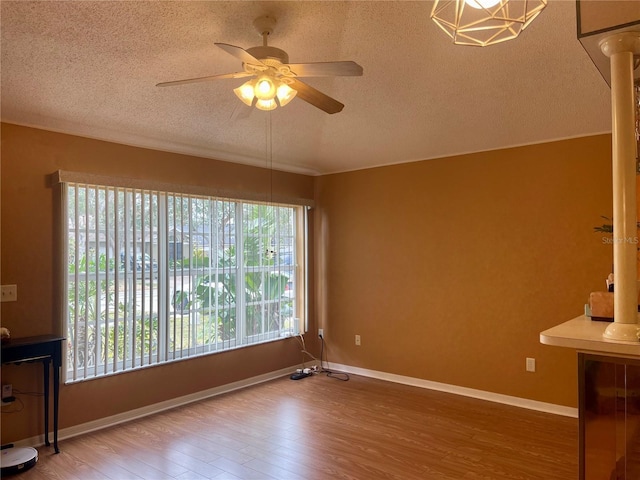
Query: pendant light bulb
{"x":478,"y":4}
{"x":285,"y":94}
{"x":265,"y":88}
{"x":245,"y":92}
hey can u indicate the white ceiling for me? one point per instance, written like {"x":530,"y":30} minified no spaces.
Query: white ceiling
{"x":90,"y":68}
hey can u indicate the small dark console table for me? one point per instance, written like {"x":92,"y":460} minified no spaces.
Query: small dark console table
{"x":48,"y":350}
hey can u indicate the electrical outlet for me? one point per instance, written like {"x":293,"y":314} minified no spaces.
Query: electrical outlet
{"x":9,"y":293}
{"x":358,"y":340}
{"x":321,"y":332}
{"x":531,"y":364}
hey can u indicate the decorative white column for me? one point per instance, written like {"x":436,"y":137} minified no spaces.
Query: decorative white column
{"x":620,"y":49}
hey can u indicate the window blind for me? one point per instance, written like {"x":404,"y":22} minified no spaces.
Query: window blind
{"x":153,"y":276}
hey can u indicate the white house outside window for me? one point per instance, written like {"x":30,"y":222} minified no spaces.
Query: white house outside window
{"x":155,"y":276}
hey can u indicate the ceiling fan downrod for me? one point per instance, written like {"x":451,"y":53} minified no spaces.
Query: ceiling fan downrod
{"x":264,"y":25}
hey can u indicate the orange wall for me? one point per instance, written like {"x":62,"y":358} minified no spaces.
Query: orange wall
{"x":28,"y":259}
{"x":449,"y":269}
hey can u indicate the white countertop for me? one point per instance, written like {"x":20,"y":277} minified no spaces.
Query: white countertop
{"x":585,"y":335}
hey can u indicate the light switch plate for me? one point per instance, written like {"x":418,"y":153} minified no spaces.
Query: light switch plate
{"x":531,"y":364}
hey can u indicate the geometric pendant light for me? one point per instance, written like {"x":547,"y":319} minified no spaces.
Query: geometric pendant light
{"x":485,"y":22}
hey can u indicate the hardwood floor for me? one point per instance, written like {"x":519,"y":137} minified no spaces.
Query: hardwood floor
{"x":322,"y":428}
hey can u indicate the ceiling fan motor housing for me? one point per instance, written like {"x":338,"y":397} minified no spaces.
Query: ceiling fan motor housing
{"x":266,"y":54}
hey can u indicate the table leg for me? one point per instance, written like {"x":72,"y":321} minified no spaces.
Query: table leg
{"x":45,"y":363}
{"x":56,"y":391}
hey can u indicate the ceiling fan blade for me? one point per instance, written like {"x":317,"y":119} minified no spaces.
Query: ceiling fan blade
{"x":205,"y":79}
{"x":316,"y":97}
{"x":240,"y":53}
{"x":326,"y":69}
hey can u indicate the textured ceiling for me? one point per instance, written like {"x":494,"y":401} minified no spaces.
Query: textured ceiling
{"x":90,"y":68}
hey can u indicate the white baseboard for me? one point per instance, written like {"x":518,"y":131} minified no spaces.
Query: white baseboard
{"x":101,"y":423}
{"x":464,"y":391}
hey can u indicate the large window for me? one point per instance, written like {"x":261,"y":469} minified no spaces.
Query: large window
{"x":155,"y":276}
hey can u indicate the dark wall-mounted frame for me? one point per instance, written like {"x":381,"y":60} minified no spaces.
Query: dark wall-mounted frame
{"x":627,"y":19}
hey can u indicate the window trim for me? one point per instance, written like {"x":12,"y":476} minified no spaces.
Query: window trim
{"x":66,"y":176}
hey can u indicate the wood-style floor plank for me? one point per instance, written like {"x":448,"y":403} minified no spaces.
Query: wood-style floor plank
{"x":320,"y":428}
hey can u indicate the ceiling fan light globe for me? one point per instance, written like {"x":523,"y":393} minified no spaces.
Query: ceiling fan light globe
{"x":265,"y":88}
{"x":285,"y":94}
{"x":245,"y":93}
{"x":266,"y":105}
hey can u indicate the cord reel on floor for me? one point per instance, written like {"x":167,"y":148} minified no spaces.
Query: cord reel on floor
{"x":307,"y":372}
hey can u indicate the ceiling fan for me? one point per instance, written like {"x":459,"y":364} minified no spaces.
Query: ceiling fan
{"x":276,"y":81}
